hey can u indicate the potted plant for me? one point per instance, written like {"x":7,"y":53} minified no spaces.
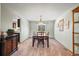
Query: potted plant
{"x":10,"y":31}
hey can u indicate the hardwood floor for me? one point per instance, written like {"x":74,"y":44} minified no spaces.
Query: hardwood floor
{"x":55,"y":49}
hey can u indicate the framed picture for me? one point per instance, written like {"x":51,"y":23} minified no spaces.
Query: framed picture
{"x":41,"y":28}
{"x":67,"y":24}
{"x":14,"y":25}
{"x":61,"y":25}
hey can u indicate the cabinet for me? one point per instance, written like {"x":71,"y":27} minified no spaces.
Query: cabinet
{"x":18,"y":36}
{"x":76,"y":31}
{"x":9,"y":44}
{"x":7,"y":47}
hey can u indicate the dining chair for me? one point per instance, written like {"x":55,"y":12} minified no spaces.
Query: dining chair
{"x":34,"y":38}
{"x":40,"y":36}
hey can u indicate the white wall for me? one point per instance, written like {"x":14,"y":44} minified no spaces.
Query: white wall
{"x":24,"y":29}
{"x":49,"y":27}
{"x":7,"y":17}
{"x":65,"y":37}
{"x":0,"y":17}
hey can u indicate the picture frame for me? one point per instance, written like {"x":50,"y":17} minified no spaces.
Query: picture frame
{"x":14,"y":25}
{"x":67,"y":24}
{"x":61,"y":25}
{"x":41,"y":28}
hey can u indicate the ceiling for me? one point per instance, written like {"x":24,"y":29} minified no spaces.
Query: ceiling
{"x":32,"y":11}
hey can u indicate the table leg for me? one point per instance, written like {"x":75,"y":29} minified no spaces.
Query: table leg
{"x":47,"y":42}
{"x":33,"y":42}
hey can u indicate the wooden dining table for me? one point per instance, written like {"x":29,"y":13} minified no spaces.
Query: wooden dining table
{"x":34,"y":38}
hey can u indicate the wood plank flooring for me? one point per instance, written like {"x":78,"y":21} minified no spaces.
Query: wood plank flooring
{"x":55,"y":49}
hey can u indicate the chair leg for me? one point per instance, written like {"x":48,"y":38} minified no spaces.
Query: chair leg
{"x":38,"y":43}
{"x":43,"y":43}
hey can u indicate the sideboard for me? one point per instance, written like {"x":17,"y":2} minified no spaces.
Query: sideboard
{"x":8,"y":44}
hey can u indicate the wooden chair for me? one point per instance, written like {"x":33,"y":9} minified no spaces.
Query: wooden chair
{"x":40,"y":36}
{"x":34,"y":38}
{"x":46,"y":38}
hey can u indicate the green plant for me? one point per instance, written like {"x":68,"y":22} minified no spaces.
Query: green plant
{"x":10,"y":31}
